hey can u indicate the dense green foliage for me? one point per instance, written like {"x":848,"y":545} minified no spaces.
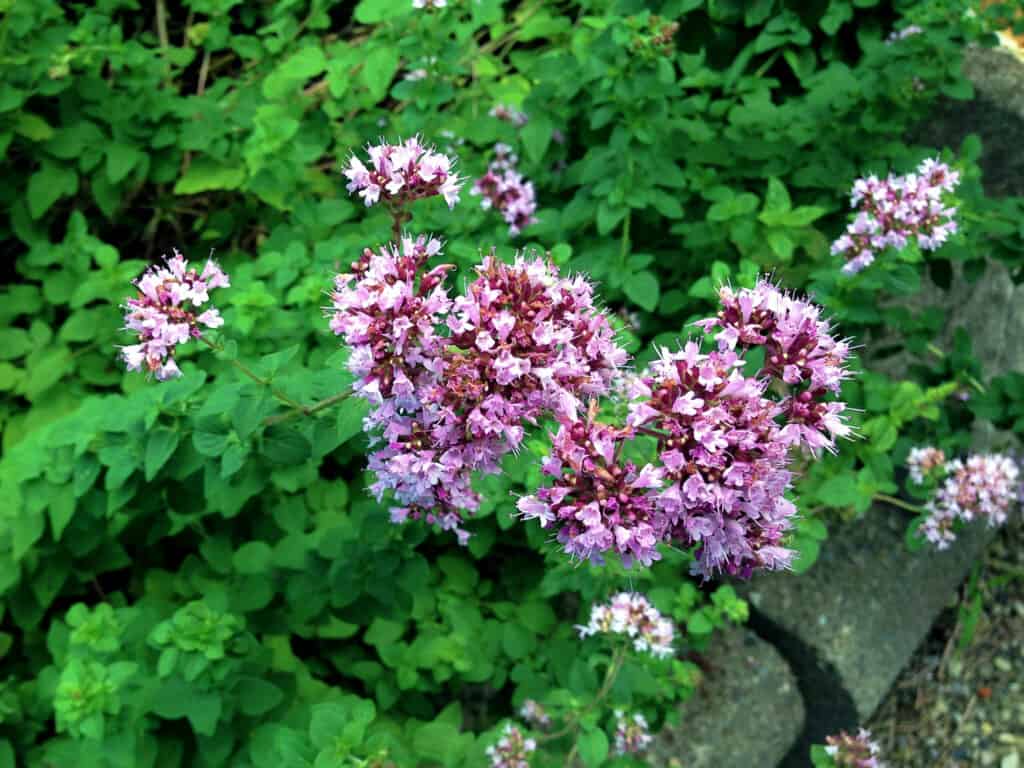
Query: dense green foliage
{"x":191,"y":575}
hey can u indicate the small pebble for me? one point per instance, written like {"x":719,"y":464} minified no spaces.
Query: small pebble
{"x":1012,"y":760}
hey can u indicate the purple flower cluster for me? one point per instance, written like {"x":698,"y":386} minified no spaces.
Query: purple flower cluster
{"x":895,"y":210}
{"x":535,"y":714}
{"x":512,"y":750}
{"x":985,"y":485}
{"x":902,"y":34}
{"x":724,"y":445}
{"x":509,"y":114}
{"x":858,"y":751}
{"x":520,"y":343}
{"x":504,"y":189}
{"x":800,"y":351}
{"x":165,"y":313}
{"x":631,"y":614}
{"x":632,"y":734}
{"x":923,"y":461}
{"x":401,"y":173}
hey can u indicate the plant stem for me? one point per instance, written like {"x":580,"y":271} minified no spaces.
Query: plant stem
{"x":887,"y":499}
{"x":246,"y":371}
{"x":572,"y":725}
{"x":308,"y":410}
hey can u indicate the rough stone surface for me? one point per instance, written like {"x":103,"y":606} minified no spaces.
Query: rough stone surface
{"x":867,"y":603}
{"x":996,"y":114}
{"x":746,"y":713}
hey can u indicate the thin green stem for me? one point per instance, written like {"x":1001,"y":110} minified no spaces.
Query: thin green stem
{"x":887,"y":499}
{"x":246,"y":371}
{"x":308,"y":410}
{"x":572,"y":725}
{"x":624,"y":247}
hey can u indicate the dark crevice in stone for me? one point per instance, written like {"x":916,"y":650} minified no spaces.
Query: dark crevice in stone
{"x":828,"y":705}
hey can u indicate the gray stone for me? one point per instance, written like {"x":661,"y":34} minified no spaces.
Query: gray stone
{"x":996,"y":114}
{"x":746,"y":712}
{"x":868,"y":602}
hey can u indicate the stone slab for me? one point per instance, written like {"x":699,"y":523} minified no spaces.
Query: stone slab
{"x":868,"y":602}
{"x":746,"y":712}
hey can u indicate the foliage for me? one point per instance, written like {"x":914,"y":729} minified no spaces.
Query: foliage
{"x":191,"y":574}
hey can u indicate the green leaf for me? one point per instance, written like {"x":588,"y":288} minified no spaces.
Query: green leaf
{"x":839,"y":490}
{"x":204,"y":174}
{"x":536,"y":136}
{"x":160,"y":446}
{"x":518,"y":641}
{"x":379,"y":69}
{"x":302,"y":65}
{"x":285,"y":446}
{"x":252,"y":558}
{"x":61,"y":510}
{"x":48,"y":185}
{"x":733,"y":207}
{"x":643,"y":290}
{"x":699,"y":624}
{"x":434,"y":741}
{"x":350,"y":418}
{"x":32,"y":127}
{"x":374,"y":11}
{"x":210,"y":443}
{"x":257,"y":697}
{"x":121,"y":158}
{"x":593,"y":747}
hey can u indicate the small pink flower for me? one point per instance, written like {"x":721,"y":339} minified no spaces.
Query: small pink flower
{"x":164,"y":313}
{"x":401,"y":173}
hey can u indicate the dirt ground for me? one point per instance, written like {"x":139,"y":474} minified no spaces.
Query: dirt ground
{"x":960,"y":702}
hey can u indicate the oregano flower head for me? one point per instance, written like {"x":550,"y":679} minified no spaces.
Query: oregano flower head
{"x":985,"y":486}
{"x":858,"y":751}
{"x":896,"y":210}
{"x":505,"y":190}
{"x":166,"y":313}
{"x":401,"y":173}
{"x":512,"y":750}
{"x":454,"y":382}
{"x":923,"y":461}
{"x":632,"y":733}
{"x":632,"y":615}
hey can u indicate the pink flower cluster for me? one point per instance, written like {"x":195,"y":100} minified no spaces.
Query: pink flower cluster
{"x":401,"y":173}
{"x":902,"y":34}
{"x":632,"y":734}
{"x":724,"y":444}
{"x":165,"y":313}
{"x":858,"y":751}
{"x":631,"y":614}
{"x":512,"y":750}
{"x":898,"y":209}
{"x":535,"y":714}
{"x":509,"y":114}
{"x":986,"y":485}
{"x":429,"y":3}
{"x":921,"y":462}
{"x":504,"y":189}
{"x":520,"y":343}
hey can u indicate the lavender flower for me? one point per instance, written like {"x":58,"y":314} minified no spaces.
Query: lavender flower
{"x":800,"y":351}
{"x":400,"y":173}
{"x":895,"y":210}
{"x":632,"y":615}
{"x":504,"y":189}
{"x":512,"y":750}
{"x":902,"y":34}
{"x":165,"y":313}
{"x":521,"y":342}
{"x":986,"y":486}
{"x":429,"y":3}
{"x":509,"y":114}
{"x":632,"y":735}
{"x":533,"y":713}
{"x":921,"y":462}
{"x":858,"y":751}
